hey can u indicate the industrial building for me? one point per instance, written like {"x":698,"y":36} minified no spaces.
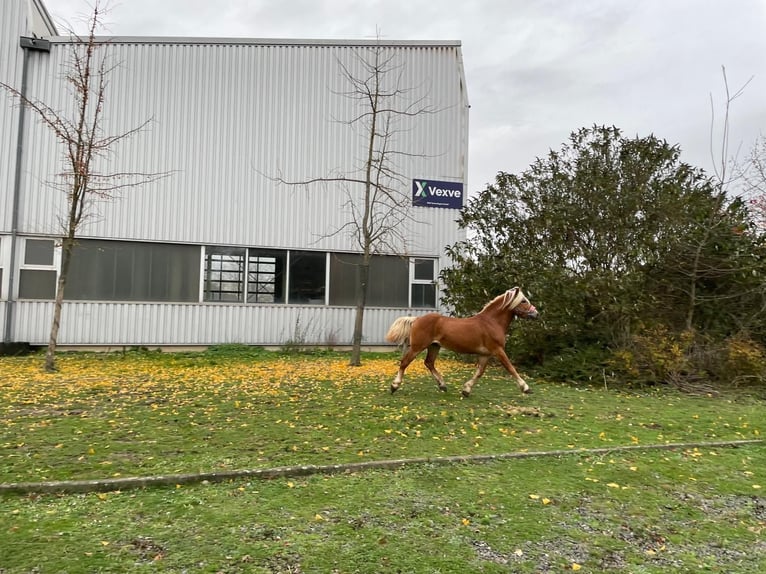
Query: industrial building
{"x":221,"y":250}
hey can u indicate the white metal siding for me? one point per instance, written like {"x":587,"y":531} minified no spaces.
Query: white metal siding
{"x":226,"y":119}
{"x":12,"y":25}
{"x":228,"y":116}
{"x":115,"y":324}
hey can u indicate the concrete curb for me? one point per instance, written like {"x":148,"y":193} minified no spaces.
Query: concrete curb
{"x":112,"y":484}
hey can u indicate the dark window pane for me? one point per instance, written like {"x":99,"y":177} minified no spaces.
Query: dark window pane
{"x":424,"y":269}
{"x":37,"y":284}
{"x":266,"y":276}
{"x":424,"y":295}
{"x":307,"y":277}
{"x":132,"y":271}
{"x":224,"y":274}
{"x":344,"y":273}
{"x":389,"y":277}
{"x":387,"y":284}
{"x":38,"y":252}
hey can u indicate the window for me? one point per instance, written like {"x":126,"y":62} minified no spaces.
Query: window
{"x":38,"y":252}
{"x":225,"y":274}
{"x":37,"y":275}
{"x":133,"y":271}
{"x":37,"y":284}
{"x":266,"y":276}
{"x":387,"y":283}
{"x":239,"y":274}
{"x":254,"y":275}
{"x":423,"y":288}
{"x":307,"y":277}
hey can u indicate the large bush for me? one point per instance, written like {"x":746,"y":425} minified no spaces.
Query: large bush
{"x":606,"y":235}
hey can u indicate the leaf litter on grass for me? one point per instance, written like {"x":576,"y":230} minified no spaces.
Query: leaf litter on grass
{"x":154,"y":413}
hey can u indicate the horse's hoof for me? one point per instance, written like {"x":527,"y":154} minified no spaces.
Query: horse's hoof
{"x":527,"y":391}
{"x":393,"y":389}
{"x":443,"y":388}
{"x":465,"y":393}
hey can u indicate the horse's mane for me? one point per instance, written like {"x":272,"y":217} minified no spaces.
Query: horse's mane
{"x":508,"y":299}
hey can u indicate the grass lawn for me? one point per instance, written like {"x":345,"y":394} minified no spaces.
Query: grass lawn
{"x":683,"y":510}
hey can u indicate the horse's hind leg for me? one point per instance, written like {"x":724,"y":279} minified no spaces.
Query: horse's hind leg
{"x":433,"y":352}
{"x":481,"y":365}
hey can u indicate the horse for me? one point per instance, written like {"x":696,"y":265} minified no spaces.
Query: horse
{"x":482,"y":334}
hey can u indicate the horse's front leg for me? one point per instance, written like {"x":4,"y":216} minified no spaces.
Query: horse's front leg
{"x":481,"y":365}
{"x":523,"y":386}
{"x":430,"y":362}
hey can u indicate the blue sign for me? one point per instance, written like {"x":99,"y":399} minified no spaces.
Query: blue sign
{"x":431,"y":193}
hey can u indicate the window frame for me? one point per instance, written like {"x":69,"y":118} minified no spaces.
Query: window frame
{"x":207,"y":281}
{"x":52,"y":267}
{"x":424,"y":282}
{"x":279,"y":276}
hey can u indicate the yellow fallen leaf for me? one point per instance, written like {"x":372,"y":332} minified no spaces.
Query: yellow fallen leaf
{"x":465,"y":522}
{"x":613,"y":485}
{"x":534,"y":496}
{"x":575,"y":566}
{"x":318,"y":517}
{"x":546,"y":500}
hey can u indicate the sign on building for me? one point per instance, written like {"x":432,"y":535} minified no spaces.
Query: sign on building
{"x":432,"y":193}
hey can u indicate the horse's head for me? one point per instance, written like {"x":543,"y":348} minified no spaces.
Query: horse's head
{"x":521,"y":306}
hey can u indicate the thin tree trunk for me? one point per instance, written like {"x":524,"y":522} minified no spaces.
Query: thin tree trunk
{"x":66,"y":257}
{"x":361,"y":302}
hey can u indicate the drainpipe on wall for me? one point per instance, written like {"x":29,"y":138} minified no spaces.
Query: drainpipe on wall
{"x":27,"y":44}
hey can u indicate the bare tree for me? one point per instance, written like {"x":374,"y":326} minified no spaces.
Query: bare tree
{"x":377,"y":200}
{"x":698,"y":268}
{"x":83,"y":143}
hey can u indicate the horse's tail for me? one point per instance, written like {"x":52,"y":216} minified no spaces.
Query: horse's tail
{"x":400,"y":329}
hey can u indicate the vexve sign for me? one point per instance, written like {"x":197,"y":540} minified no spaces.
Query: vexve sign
{"x":432,"y":193}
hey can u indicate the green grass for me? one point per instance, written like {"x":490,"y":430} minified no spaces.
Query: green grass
{"x":153,"y":413}
{"x":682,"y":510}
{"x":650,"y":512}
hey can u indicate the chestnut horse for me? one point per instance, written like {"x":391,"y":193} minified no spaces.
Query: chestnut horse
{"x":482,"y":334}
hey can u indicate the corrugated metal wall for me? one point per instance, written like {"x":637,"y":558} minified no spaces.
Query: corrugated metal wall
{"x":85,"y":323}
{"x":12,"y":25}
{"x":226,"y":120}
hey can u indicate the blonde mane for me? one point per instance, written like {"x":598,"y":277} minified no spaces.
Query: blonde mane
{"x":509,"y":300}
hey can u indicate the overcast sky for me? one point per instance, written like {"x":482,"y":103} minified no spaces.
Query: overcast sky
{"x":536,"y":70}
